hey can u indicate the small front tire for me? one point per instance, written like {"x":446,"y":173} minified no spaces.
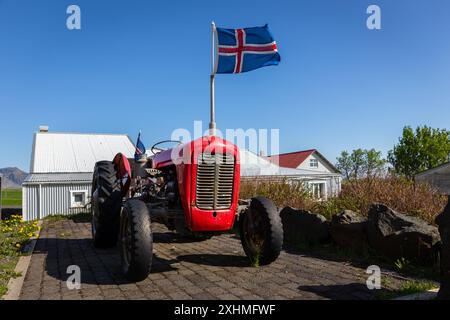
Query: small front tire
{"x":136,"y":240}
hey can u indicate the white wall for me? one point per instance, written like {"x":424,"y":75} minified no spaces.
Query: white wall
{"x":40,"y":201}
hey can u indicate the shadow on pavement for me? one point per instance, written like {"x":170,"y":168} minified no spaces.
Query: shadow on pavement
{"x":102,"y":266}
{"x":217,"y":260}
{"x":351,"y":291}
{"x":97,"y":266}
{"x":172,"y":237}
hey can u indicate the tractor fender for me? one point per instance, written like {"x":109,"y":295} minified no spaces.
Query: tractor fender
{"x":123,"y":172}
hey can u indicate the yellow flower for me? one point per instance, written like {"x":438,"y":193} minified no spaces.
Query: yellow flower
{"x":18,"y":245}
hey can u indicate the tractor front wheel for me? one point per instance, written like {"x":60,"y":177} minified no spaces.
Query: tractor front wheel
{"x":136,"y":240}
{"x":261,"y":231}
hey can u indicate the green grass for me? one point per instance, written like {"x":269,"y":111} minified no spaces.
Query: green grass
{"x":407,"y":288}
{"x":7,"y":266}
{"x":12,"y":197}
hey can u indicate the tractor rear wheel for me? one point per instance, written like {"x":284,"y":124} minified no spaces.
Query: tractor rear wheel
{"x":106,"y":204}
{"x":261,"y":231}
{"x":136,"y":240}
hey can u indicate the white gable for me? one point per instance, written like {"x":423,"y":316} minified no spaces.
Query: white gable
{"x":322,"y":166}
{"x":73,"y":152}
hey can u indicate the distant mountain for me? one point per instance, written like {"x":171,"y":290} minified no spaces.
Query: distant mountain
{"x":12,"y":177}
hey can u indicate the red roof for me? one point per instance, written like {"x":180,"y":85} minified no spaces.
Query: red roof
{"x":292,"y":159}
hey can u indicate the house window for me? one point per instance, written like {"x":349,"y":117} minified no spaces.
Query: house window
{"x":313,"y":163}
{"x":78,"y":199}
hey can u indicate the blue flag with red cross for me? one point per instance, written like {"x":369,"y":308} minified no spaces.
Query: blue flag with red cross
{"x":247,"y":49}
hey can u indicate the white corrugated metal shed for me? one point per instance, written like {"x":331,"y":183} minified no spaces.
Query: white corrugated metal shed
{"x":61,"y":170}
{"x":75,"y":152}
{"x":438,"y":177}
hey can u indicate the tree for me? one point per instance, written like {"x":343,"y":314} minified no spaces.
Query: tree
{"x":419,"y":150}
{"x":374,"y":164}
{"x":360,"y":163}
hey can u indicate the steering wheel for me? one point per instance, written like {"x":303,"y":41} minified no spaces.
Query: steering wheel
{"x":153,"y":148}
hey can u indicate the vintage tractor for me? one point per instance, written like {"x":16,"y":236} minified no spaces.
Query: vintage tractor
{"x":193,"y":189}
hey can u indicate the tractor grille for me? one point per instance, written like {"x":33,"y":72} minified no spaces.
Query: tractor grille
{"x":215,"y":176}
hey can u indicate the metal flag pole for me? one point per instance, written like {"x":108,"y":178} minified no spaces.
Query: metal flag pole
{"x":212,"y":123}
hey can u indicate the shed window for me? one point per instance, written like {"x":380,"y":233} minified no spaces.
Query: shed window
{"x":78,"y":199}
{"x":313,"y":163}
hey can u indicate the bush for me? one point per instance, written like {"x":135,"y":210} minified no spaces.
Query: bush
{"x":282,"y":192}
{"x":400,"y":194}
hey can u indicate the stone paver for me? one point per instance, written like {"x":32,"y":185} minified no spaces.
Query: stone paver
{"x":211,"y":269}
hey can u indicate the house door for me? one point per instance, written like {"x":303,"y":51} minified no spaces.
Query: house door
{"x":318,"y":190}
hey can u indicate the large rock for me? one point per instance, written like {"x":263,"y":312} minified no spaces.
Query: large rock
{"x":396,"y":235}
{"x":348,"y":230}
{"x":443,"y":220}
{"x":304,"y":226}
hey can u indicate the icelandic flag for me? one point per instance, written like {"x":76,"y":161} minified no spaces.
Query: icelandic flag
{"x":140,"y":148}
{"x":247,"y":49}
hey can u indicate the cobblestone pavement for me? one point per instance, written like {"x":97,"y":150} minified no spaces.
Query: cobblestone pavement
{"x":211,"y":269}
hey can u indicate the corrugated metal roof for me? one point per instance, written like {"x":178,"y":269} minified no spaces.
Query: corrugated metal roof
{"x":58,"y":177}
{"x":75,"y":152}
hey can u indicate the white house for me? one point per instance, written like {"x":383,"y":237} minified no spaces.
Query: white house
{"x":310,"y":166}
{"x":61,"y":170}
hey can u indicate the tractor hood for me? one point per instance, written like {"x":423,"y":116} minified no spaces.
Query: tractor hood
{"x":187,"y":153}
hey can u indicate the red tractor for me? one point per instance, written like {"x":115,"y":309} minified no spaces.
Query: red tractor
{"x":191,"y":188}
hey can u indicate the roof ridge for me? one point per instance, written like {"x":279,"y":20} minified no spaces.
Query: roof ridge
{"x":82,"y":133}
{"x":301,"y":151}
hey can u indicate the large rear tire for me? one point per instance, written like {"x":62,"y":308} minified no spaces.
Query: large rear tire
{"x":136,"y":240}
{"x":106,"y":204}
{"x":261,"y":231}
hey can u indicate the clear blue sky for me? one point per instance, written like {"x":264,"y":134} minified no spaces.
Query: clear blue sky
{"x":145,"y":65}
